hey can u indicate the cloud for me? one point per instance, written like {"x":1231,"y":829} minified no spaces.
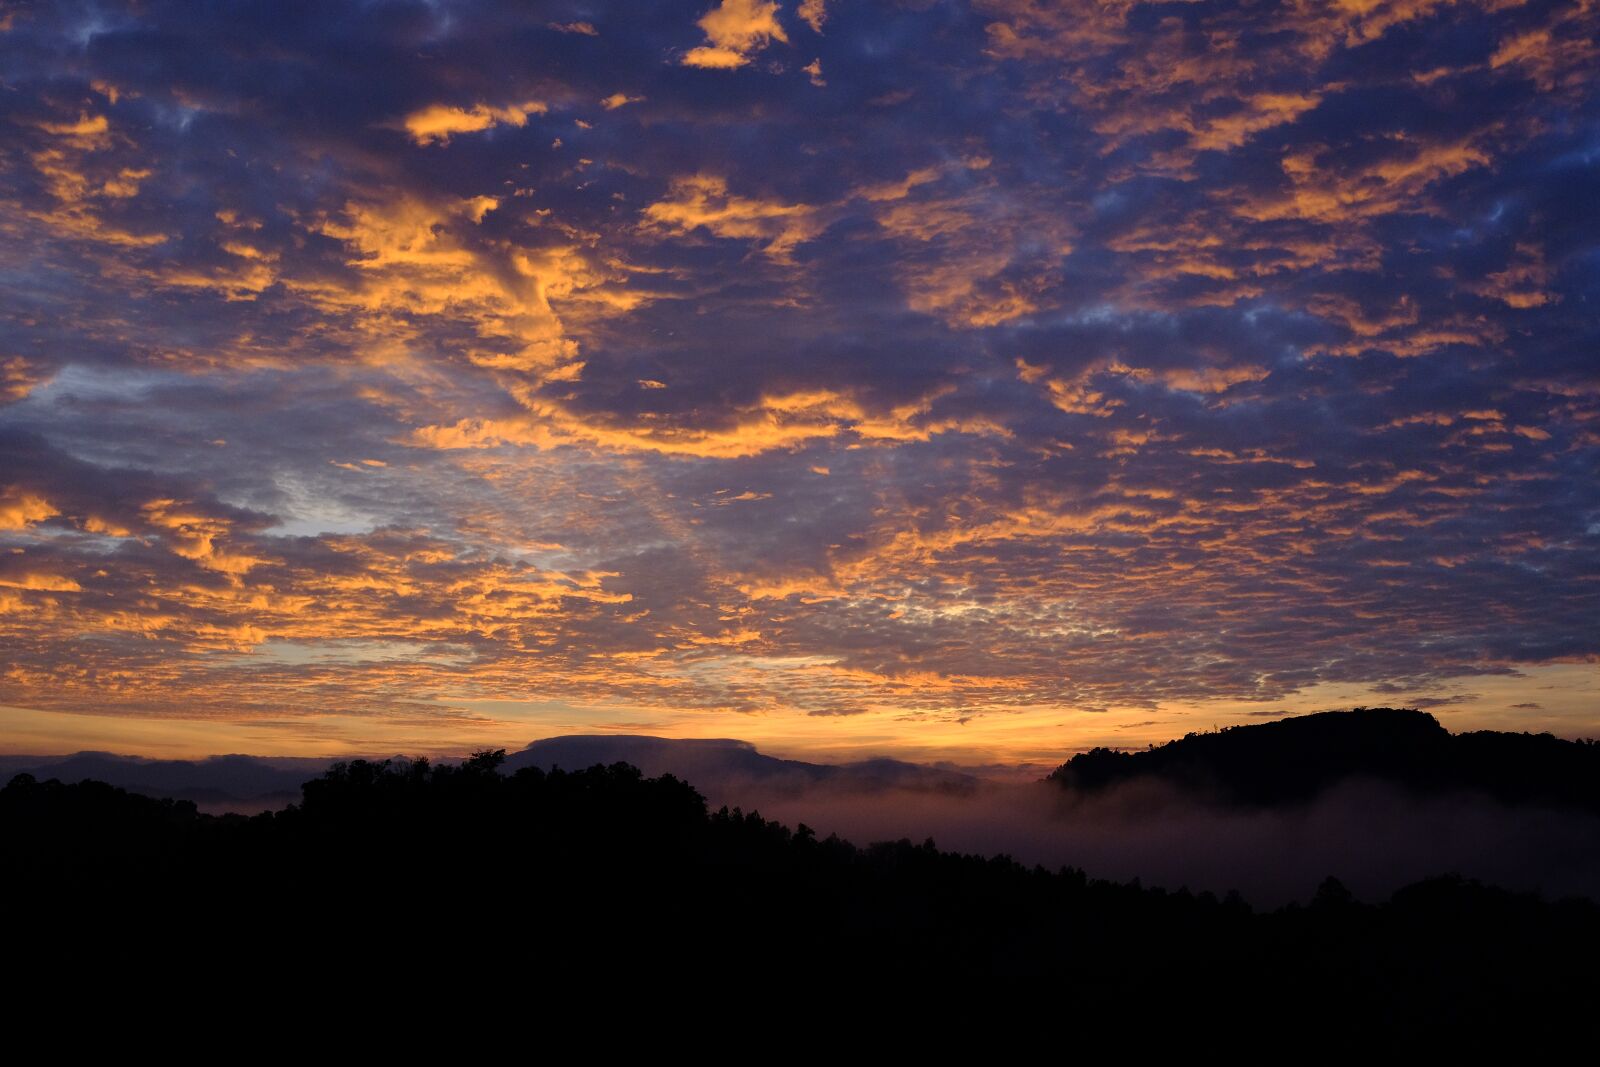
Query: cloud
{"x":20,"y":509}
{"x":437,"y":123}
{"x":703,"y":201}
{"x":1055,"y":358}
{"x":17,"y":378}
{"x":735,"y":30}
{"x":813,"y":13}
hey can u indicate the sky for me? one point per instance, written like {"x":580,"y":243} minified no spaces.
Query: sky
{"x":975,"y":381}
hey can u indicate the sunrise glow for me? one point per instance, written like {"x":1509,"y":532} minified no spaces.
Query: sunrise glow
{"x":973,"y":381}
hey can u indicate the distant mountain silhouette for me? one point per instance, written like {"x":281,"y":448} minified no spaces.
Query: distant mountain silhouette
{"x":1292,"y":760}
{"x":214,"y":782}
{"x":1289,"y":761}
{"x":716,"y":765}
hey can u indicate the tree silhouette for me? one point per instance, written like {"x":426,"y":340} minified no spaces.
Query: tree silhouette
{"x":589,"y":874}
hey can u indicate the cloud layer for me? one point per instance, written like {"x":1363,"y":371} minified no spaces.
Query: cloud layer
{"x":897,"y":365}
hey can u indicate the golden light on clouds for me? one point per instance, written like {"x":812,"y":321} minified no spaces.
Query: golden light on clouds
{"x":437,"y":123}
{"x":985,"y":379}
{"x":735,"y":30}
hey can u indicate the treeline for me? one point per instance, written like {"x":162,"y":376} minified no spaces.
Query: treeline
{"x":606,"y":871}
{"x":1293,"y":760}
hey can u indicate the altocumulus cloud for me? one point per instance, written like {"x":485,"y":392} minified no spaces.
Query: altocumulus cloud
{"x":1063,"y":355}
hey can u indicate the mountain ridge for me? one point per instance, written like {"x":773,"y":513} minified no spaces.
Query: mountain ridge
{"x":1286,"y":761}
{"x":724,"y":762}
{"x":1293,"y":760}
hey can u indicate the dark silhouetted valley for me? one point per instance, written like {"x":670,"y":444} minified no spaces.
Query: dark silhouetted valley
{"x":605,"y":870}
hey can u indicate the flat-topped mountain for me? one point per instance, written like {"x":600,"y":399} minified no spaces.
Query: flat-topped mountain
{"x":719,"y":767}
{"x":1293,"y":760}
{"x":716,"y":763}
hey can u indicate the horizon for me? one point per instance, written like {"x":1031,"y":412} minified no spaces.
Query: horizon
{"x":972,"y":381}
{"x":997,"y":771}
{"x":1211,"y":811}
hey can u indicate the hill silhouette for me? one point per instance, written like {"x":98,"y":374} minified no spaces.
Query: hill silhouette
{"x":724,"y":765}
{"x":217,"y":782}
{"x":606,"y":872}
{"x":1291,"y":761}
{"x":723,"y":768}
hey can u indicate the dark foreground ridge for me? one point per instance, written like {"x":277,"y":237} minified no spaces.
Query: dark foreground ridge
{"x":1293,"y":760}
{"x":604,"y":871}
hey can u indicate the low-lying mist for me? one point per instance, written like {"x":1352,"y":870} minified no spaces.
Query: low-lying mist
{"x":1374,"y":837}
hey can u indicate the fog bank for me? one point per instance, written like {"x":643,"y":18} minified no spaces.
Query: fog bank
{"x":1373,"y":837}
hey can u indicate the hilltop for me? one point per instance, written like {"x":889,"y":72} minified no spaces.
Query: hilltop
{"x":1294,"y":760}
{"x":215,"y":783}
{"x":719,"y":766}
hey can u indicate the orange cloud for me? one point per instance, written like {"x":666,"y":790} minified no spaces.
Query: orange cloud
{"x":419,"y":260}
{"x":735,"y":30}
{"x":20,"y":509}
{"x":437,"y":123}
{"x":976,"y":258}
{"x":87,"y":127}
{"x":83,"y":183}
{"x":703,"y":201}
{"x":31,"y":580}
{"x":1524,"y":283}
{"x":776,"y":422}
{"x":1258,"y":112}
{"x":1320,"y":191}
{"x":195,"y":535}
{"x":813,"y":13}
{"x":18,"y":378}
